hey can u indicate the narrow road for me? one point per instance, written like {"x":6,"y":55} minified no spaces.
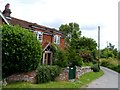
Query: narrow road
{"x":108,"y":80}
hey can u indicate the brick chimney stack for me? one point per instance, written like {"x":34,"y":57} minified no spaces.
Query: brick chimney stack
{"x":7,"y":10}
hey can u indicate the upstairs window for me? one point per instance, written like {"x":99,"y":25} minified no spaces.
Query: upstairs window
{"x":39,"y":35}
{"x":57,"y":39}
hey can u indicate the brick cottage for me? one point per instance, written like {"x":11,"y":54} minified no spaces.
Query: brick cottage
{"x":45,"y":35}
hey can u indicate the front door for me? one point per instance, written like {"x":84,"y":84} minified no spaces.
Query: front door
{"x":47,"y":58}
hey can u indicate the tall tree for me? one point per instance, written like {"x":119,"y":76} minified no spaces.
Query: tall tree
{"x":70,"y":30}
{"x":87,"y":47}
{"x":72,"y":35}
{"x":78,"y":47}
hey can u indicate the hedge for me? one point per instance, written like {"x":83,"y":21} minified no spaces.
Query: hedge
{"x":95,"y":68}
{"x":21,"y":51}
{"x":110,"y":63}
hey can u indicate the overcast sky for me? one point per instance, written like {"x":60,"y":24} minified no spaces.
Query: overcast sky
{"x":89,"y":14}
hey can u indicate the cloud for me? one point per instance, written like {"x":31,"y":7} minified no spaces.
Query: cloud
{"x":53,"y":24}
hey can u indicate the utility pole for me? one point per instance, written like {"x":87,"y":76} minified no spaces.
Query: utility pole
{"x":99,"y":46}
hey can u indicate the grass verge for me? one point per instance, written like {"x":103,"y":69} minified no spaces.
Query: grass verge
{"x":82,"y":81}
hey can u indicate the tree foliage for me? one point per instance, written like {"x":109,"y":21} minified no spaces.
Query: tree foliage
{"x":87,"y":48}
{"x":118,"y":55}
{"x":78,"y":48}
{"x":109,"y":51}
{"x":21,"y":51}
{"x":69,"y":30}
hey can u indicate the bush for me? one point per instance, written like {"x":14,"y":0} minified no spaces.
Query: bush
{"x":73,"y":57}
{"x":47,"y":73}
{"x":21,"y":51}
{"x":111,"y":64}
{"x":59,"y":57}
{"x":95,"y":68}
{"x":104,"y":63}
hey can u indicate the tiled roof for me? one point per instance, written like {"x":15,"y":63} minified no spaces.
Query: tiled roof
{"x":30,"y":25}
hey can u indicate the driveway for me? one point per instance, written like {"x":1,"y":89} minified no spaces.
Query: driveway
{"x":108,"y":80}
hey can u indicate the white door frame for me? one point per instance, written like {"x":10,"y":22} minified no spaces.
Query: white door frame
{"x":46,"y":52}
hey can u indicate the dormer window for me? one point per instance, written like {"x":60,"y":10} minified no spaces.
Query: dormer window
{"x":39,"y":35}
{"x":56,"y":39}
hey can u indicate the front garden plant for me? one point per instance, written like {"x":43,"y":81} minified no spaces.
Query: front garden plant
{"x":21,"y":51}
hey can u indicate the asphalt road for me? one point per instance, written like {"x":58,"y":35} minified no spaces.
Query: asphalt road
{"x":108,"y":80}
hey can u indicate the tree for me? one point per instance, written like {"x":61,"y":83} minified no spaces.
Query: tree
{"x":109,"y":51}
{"x":69,"y":30}
{"x":72,"y":35}
{"x":87,"y":47}
{"x":78,"y":48}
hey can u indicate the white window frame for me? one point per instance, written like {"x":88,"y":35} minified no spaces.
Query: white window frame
{"x":38,"y":33}
{"x":56,"y":39}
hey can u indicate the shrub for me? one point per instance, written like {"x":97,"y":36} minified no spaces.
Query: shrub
{"x":95,"y":68}
{"x":59,"y":57}
{"x":118,"y":55}
{"x":74,"y":57}
{"x":104,"y":63}
{"x":111,"y":63}
{"x":47,"y":73}
{"x":21,"y":51}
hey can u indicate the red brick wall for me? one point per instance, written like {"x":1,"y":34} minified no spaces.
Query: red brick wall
{"x":47,"y":38}
{"x":62,"y":43}
{"x":50,"y":38}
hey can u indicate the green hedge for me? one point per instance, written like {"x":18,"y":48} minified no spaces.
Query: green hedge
{"x":111,"y":64}
{"x":21,"y":51}
{"x":47,"y":73}
{"x":95,"y":68}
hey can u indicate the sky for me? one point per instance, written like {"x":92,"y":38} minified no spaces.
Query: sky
{"x":89,"y":14}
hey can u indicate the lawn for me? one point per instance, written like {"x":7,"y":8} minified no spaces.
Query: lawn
{"x":82,"y":81}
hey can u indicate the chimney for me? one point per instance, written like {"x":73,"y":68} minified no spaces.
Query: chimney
{"x":7,"y":10}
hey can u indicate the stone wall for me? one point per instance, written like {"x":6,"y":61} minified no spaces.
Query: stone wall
{"x":31,"y":76}
{"x":27,"y":77}
{"x":64,"y":75}
{"x":82,"y":70}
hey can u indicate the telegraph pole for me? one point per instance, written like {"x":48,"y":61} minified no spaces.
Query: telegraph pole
{"x":99,"y":46}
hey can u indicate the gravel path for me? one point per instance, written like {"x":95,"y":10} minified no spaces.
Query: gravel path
{"x":108,"y":80}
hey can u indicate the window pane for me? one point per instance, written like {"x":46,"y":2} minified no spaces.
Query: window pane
{"x":39,"y":35}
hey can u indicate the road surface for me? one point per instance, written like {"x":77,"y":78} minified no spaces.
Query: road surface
{"x":108,"y":80}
